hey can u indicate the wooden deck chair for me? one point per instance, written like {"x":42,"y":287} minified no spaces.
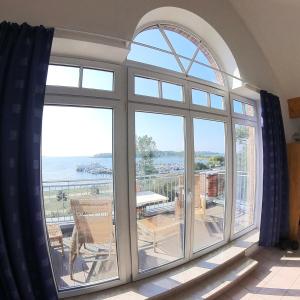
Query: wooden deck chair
{"x":93,"y":225}
{"x":161,"y":227}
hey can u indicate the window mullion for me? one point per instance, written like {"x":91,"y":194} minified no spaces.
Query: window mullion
{"x":173,"y":50}
{"x":160,"y":93}
{"x":192,"y":61}
{"x":80,"y":77}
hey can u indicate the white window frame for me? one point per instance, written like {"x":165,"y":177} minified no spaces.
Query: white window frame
{"x":159,"y":70}
{"x":64,"y":96}
{"x":132,"y":72}
{"x":86,"y":92}
{"x":141,"y":107}
{"x":209,"y":90}
{"x":228,"y":184}
{"x":258,"y":185}
{"x":244,"y":100}
{"x":124,"y":102}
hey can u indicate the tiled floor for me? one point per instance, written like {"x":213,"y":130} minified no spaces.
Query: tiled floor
{"x":276,"y":277}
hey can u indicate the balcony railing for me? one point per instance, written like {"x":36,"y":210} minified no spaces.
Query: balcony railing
{"x":57,"y":194}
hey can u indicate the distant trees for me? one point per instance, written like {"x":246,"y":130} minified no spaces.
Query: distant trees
{"x":216,"y":161}
{"x":241,"y":132}
{"x":145,"y":149}
{"x":200,"y":166}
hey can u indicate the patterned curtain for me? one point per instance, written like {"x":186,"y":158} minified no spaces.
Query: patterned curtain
{"x":25,"y":270}
{"x":275,"y":210}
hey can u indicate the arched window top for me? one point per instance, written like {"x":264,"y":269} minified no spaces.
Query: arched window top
{"x":170,"y":47}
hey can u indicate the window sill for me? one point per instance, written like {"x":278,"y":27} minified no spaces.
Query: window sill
{"x":170,"y":281}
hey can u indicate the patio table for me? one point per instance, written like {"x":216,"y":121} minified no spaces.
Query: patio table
{"x":147,"y":198}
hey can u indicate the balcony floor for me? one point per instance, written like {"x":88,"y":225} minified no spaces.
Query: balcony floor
{"x":208,"y":231}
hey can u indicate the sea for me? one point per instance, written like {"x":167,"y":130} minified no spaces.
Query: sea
{"x":64,"y":168}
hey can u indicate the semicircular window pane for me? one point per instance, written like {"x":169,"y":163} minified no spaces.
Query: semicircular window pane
{"x":152,"y":37}
{"x":205,"y":73}
{"x":153,"y":57}
{"x":202,"y":58}
{"x":181,"y":44}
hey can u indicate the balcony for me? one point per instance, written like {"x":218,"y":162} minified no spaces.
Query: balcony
{"x":155,"y":248}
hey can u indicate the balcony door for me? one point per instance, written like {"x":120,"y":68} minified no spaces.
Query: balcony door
{"x":178,"y":163}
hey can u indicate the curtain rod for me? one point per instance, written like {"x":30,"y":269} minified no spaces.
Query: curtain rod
{"x":252,"y":87}
{"x":99,"y":35}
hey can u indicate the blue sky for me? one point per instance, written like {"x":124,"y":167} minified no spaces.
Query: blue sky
{"x":168,"y":132}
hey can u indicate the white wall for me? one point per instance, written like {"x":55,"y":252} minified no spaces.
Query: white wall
{"x":119,"y":18}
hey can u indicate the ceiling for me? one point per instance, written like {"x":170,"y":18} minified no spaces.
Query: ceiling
{"x":275,"y":25}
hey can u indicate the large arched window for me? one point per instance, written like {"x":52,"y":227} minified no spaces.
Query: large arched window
{"x":172,"y":48}
{"x":137,"y":183}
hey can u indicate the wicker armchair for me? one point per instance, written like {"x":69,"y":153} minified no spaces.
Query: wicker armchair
{"x":161,"y":227}
{"x":93,"y":225}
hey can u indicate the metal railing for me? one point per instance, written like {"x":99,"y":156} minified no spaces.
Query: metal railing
{"x":57,"y":194}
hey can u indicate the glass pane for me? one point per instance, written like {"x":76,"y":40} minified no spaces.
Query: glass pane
{"x":181,"y":44}
{"x":63,"y":76}
{"x":199,"y":97}
{"x":77,"y":176}
{"x":216,"y":101}
{"x":172,"y":91}
{"x":153,"y":57}
{"x":153,"y":38}
{"x":206,"y":73}
{"x":98,"y":79}
{"x":202,"y":58}
{"x":249,"y":109}
{"x":160,"y":186}
{"x":146,"y":87}
{"x":238,"y":107}
{"x":209,"y":183}
{"x":245,"y":174}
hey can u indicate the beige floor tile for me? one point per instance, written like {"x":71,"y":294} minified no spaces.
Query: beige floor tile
{"x":276,"y":277}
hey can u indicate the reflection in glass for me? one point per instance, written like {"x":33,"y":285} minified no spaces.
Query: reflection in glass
{"x":209,"y":183}
{"x":97,"y":79}
{"x":160,"y":196}
{"x":63,"y":76}
{"x":172,"y":91}
{"x":199,"y":97}
{"x":249,"y":110}
{"x":216,"y":101}
{"x":146,"y":87}
{"x":245,"y":174}
{"x":77,"y":175}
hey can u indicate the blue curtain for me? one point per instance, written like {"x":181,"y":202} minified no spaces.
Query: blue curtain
{"x":275,"y":210}
{"x":25,"y":270}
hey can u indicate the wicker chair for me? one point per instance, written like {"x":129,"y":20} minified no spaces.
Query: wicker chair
{"x":161,"y":227}
{"x":93,"y":225}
